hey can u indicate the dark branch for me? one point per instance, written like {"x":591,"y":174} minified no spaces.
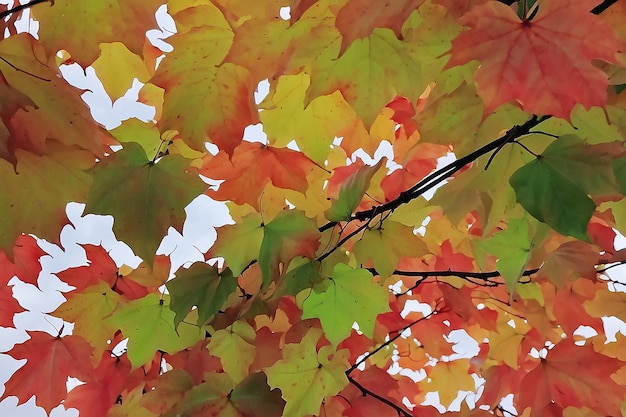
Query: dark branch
{"x":22,"y":7}
{"x":388,"y":342}
{"x":485,"y":277}
{"x":441,"y":174}
{"x":401,"y":411}
{"x":603,"y":6}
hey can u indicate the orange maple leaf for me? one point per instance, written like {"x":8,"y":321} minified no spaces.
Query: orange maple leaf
{"x":544,"y":63}
{"x":251,"y":167}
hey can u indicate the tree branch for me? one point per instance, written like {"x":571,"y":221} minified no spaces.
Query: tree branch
{"x":22,"y":7}
{"x":401,"y":411}
{"x":603,"y":6}
{"x":438,"y":176}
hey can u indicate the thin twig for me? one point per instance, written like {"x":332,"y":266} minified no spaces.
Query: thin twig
{"x":401,"y":411}
{"x":23,"y":71}
{"x":390,"y":341}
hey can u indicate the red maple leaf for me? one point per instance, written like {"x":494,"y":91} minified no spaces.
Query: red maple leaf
{"x":572,"y":375}
{"x":543,"y":63}
{"x":25,"y":265}
{"x":49,"y":361}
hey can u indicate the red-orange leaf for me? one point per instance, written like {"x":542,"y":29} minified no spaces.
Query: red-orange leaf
{"x":251,"y":167}
{"x":572,"y":376}
{"x":49,"y":361}
{"x":25,"y":265}
{"x":358,"y":18}
{"x":543,"y":63}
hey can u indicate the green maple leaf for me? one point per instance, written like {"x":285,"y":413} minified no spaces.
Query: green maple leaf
{"x":376,"y":68}
{"x":143,"y":196}
{"x":347,"y":297}
{"x":149,"y":325}
{"x":218,"y":397}
{"x":288,"y":235}
{"x":253,"y":397}
{"x":239,"y":243}
{"x":235,"y":346}
{"x":91,"y":306}
{"x":513,"y":248}
{"x":554,"y":187}
{"x":306,"y":376}
{"x":385,"y":245}
{"x":200,"y":285}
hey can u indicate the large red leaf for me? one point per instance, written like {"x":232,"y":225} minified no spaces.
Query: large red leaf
{"x":49,"y":361}
{"x":572,"y":376}
{"x":544,"y":63}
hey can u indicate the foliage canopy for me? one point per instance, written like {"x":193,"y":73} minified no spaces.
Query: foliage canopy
{"x":342,"y":289}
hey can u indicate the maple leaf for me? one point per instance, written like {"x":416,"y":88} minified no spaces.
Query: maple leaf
{"x":219,"y":397}
{"x":49,"y":361}
{"x":68,"y":26}
{"x":285,"y":117}
{"x":557,"y":381}
{"x":358,"y":18}
{"x":49,"y":108}
{"x":128,"y":67}
{"x":288,"y":235}
{"x":554,"y":187}
{"x":239,"y":243}
{"x":536,"y":61}
{"x":394,"y":66}
{"x":251,"y":167}
{"x":513,"y":247}
{"x":149,"y":325}
{"x":306,"y":376}
{"x":31,"y":202}
{"x":26,"y":266}
{"x":448,"y":378}
{"x":235,"y":346}
{"x":141,"y":196}
{"x":347,"y":297}
{"x":109,"y":379}
{"x":351,"y":192}
{"x":9,"y":306}
{"x":200,"y":285}
{"x":227,"y":114}
{"x":91,"y":305}
{"x":100,"y":267}
{"x":386,"y":244}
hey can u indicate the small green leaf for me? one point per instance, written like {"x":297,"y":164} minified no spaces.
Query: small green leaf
{"x":235,"y":346}
{"x":203,"y":286}
{"x":553,"y":198}
{"x":349,"y":296}
{"x":288,"y":235}
{"x":512,"y":247}
{"x":253,"y":397}
{"x":149,"y":325}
